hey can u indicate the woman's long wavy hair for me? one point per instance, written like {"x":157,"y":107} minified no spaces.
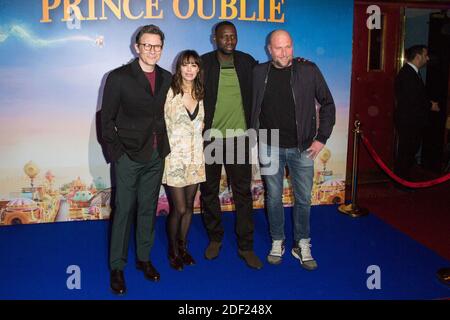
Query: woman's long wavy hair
{"x":189,"y":56}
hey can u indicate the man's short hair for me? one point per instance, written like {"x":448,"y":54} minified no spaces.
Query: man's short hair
{"x":223,"y":23}
{"x":415,"y":50}
{"x":152,"y":29}
{"x":270,"y":35}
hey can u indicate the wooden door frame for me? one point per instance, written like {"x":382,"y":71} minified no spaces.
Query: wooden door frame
{"x":401,"y":5}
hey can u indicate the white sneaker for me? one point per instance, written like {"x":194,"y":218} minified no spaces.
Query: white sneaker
{"x":303,"y":253}
{"x":276,"y":253}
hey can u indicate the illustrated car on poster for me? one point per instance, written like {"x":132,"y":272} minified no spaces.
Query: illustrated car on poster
{"x":331,"y":192}
{"x":163,"y":205}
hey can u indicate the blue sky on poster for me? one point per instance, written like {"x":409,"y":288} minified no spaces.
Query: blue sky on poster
{"x":50,"y":74}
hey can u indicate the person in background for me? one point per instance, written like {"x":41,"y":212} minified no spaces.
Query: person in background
{"x":411,"y":112}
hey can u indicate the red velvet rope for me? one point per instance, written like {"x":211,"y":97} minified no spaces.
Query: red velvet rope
{"x":389,"y":172}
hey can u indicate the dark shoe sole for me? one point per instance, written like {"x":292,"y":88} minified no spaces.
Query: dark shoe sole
{"x":120,"y":294}
{"x":148,"y":278}
{"x":308,"y":268}
{"x":188,"y":262}
{"x":210,"y":258}
{"x":177,"y":269}
{"x":275,"y":263}
{"x":302,"y":264}
{"x":248,"y":265}
{"x":152,"y":279}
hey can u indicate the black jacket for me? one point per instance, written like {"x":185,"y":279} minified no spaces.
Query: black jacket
{"x":307,"y":85}
{"x":244,"y":64}
{"x":131,"y":114}
{"x":412,"y":102}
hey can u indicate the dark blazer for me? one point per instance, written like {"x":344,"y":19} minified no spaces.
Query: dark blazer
{"x":412,"y":101}
{"x":308,"y":85}
{"x":131,"y":113}
{"x":244,"y":64}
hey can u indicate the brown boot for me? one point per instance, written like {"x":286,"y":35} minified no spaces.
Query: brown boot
{"x":184,"y":254}
{"x":250,"y":258}
{"x":213,"y":250}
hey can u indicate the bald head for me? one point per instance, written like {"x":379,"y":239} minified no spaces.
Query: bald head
{"x":281,"y":48}
{"x":276,"y":35}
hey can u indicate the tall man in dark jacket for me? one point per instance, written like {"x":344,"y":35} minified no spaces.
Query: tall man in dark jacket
{"x":134,"y":130}
{"x":411,"y":112}
{"x":284,"y":95}
{"x":228,"y":85}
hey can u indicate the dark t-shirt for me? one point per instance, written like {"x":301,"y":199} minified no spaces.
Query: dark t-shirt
{"x":278,"y":108}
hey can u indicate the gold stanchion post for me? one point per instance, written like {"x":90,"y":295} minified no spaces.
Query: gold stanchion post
{"x":444,"y":275}
{"x":352,"y":209}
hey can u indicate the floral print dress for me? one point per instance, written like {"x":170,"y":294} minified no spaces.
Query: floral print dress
{"x":185,"y":164}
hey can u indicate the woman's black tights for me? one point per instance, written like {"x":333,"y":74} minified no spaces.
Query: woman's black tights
{"x":180,"y":216}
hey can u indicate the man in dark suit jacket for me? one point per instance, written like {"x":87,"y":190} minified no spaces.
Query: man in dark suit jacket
{"x":411,"y":112}
{"x":134,"y":130}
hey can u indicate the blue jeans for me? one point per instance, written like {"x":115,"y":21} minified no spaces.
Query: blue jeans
{"x":301,"y":170}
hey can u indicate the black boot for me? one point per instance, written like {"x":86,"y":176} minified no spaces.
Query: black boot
{"x":149,"y":270}
{"x":175,"y":260}
{"x":184,"y":254}
{"x":117,"y":282}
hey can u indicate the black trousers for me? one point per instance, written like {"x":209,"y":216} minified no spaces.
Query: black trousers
{"x":239,"y":176}
{"x":409,"y":140}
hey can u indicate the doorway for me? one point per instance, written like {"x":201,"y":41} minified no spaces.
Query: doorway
{"x":431,"y":27}
{"x":377,"y":57}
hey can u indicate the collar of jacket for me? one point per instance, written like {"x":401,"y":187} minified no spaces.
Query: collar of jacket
{"x":138,"y":73}
{"x":236,"y":60}
{"x":294,"y":69}
{"x":294,"y":66}
{"x":216,"y":56}
{"x":216,"y":73}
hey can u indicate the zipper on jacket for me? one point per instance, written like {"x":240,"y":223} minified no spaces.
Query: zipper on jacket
{"x":263,"y":92}
{"x":266,"y":79}
{"x":295,"y":107}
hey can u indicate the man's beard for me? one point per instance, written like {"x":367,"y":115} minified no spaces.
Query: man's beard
{"x":281,"y":66}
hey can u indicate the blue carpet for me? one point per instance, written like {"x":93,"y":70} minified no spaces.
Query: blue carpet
{"x":34,"y":259}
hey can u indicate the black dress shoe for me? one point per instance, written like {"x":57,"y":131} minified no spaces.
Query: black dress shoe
{"x":117,"y":281}
{"x":184,"y":254}
{"x":175,"y":261}
{"x":149,"y":270}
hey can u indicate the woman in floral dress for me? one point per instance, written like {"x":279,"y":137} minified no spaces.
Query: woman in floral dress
{"x":185,"y":165}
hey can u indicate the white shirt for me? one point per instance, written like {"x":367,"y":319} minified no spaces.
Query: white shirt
{"x":413,"y":66}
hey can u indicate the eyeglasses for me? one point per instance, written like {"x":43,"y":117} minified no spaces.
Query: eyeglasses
{"x":149,"y":47}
